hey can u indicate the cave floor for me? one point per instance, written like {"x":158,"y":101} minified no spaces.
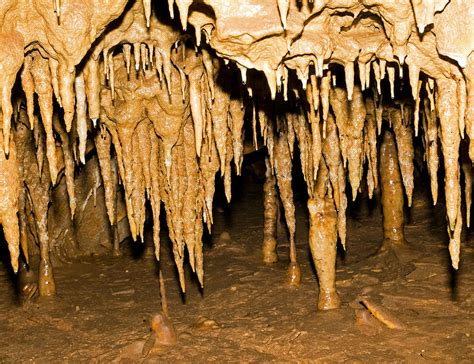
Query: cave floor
{"x":104,"y":304}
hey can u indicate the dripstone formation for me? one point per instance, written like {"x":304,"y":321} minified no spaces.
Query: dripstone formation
{"x":160,"y":93}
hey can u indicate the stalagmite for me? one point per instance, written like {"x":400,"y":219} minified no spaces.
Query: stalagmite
{"x":392,"y":194}
{"x":323,"y":239}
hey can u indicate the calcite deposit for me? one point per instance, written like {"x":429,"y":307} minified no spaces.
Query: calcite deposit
{"x":163,"y":94}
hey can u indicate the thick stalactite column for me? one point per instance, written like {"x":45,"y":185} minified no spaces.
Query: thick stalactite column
{"x":323,"y":241}
{"x":392,"y":194}
{"x":270,"y":216}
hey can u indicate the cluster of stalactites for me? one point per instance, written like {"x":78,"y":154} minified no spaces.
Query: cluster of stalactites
{"x":340,"y":127}
{"x":180,"y":127}
{"x":175,"y":161}
{"x":376,"y":42}
{"x":333,"y":116}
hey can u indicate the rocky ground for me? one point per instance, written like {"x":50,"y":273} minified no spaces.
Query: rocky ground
{"x":246,"y":312}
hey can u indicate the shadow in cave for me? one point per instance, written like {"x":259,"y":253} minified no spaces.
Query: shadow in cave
{"x":6,"y":267}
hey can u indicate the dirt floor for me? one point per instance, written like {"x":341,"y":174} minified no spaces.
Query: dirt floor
{"x":247,"y":313}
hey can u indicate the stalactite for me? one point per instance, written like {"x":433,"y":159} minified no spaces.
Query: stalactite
{"x":270,"y":217}
{"x":28,"y":86}
{"x":42,"y":80}
{"x":191,"y":207}
{"x":430,"y":137}
{"x":229,"y":156}
{"x":10,"y":190}
{"x":102,"y":144}
{"x":137,"y":186}
{"x":69,"y":164}
{"x":155,"y":190}
{"x":23,"y":223}
{"x":283,"y":170}
{"x":350,"y":120}
{"x":316,"y":135}
{"x":66,"y":92}
{"x":371,"y":152}
{"x":38,"y":189}
{"x":406,"y":152}
{"x":11,"y":60}
{"x":450,"y":140}
{"x":467,"y":170}
{"x":40,"y":143}
{"x":236,"y":120}
{"x":195,"y":93}
{"x":332,"y":158}
{"x":92,"y":87}
{"x":81,"y":115}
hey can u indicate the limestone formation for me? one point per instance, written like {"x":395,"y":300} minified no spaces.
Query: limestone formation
{"x":163,"y":93}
